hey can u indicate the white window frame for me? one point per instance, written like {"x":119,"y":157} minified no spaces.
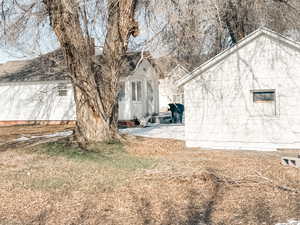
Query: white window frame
{"x":273,"y":91}
{"x":265,"y":102}
{"x":134,"y":91}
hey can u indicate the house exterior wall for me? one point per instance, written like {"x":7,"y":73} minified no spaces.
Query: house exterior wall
{"x":220,"y":111}
{"x":24,"y":102}
{"x":39,"y":102}
{"x":129,"y":109}
{"x":168,"y":90}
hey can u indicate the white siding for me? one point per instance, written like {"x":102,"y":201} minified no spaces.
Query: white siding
{"x":35,"y":101}
{"x":220,"y":112}
{"x":168,"y":88}
{"x":23,"y":101}
{"x":129,"y":109}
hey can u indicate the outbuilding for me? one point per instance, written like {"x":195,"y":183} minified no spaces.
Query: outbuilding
{"x":247,"y":97}
{"x":168,"y":90}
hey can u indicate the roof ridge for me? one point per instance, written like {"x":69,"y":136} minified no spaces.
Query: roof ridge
{"x":253,"y":35}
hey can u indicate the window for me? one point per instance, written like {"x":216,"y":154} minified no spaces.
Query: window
{"x":133,"y":89}
{"x":179,"y":98}
{"x":264,"y":102}
{"x":136,"y":87}
{"x":62,"y":89}
{"x":121,"y":95}
{"x":150,"y":91}
{"x":176,"y":98}
{"x":139,"y":91}
{"x":264,"y":96}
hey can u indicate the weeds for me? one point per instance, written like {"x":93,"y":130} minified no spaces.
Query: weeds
{"x":58,"y":183}
{"x":110,"y":155}
{"x":47,"y":183}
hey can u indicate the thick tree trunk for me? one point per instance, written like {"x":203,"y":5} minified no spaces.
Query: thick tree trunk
{"x":95,"y":87}
{"x":92,"y":126}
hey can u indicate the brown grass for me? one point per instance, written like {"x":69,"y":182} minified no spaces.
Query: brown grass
{"x":153,"y":182}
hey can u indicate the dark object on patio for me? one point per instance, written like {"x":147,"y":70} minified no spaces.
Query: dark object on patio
{"x":291,"y":161}
{"x":177,"y":112}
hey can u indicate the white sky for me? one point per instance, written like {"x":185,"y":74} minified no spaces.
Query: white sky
{"x":29,"y":48}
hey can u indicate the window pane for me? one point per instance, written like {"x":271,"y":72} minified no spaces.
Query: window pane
{"x":265,"y":102}
{"x":133,"y":89}
{"x":176,"y":98}
{"x":150,"y":91}
{"x":265,"y":96}
{"x":121,"y":95}
{"x":139,"y":91}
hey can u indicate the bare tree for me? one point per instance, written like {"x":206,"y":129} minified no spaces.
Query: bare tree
{"x":193,"y":30}
{"x":96,"y":88}
{"x":95,"y":85}
{"x":240,"y":17}
{"x":197,"y":30}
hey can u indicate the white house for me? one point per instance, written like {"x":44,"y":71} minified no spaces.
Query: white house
{"x":39,"y":91}
{"x":247,"y":97}
{"x":139,"y":94}
{"x":168,"y":90}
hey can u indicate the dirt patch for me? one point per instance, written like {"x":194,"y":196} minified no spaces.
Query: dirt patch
{"x":147,"y":181}
{"x":13,"y":132}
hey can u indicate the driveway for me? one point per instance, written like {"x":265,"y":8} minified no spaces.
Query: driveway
{"x":168,"y":131}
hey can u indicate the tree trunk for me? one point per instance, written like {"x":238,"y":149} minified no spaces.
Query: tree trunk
{"x":95,"y":87}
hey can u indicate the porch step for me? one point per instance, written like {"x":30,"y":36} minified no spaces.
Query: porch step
{"x":162,"y":119}
{"x":127,"y":123}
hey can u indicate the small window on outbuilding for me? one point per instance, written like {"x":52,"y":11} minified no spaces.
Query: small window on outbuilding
{"x":263,"y":95}
{"x":264,"y":102}
{"x":62,"y":89}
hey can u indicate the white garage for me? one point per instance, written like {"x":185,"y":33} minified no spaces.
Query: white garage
{"x":247,"y":97}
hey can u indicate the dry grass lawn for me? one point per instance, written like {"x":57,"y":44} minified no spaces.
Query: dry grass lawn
{"x":146,"y":181}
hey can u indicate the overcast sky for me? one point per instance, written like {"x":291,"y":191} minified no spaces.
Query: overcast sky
{"x":29,"y":47}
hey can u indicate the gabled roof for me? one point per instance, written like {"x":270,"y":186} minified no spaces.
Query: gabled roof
{"x":176,"y":68}
{"x":51,"y":67}
{"x":221,"y":56}
{"x":47,"y":67}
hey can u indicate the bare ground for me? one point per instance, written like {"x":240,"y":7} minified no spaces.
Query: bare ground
{"x":10,"y":133}
{"x":146,"y":181}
